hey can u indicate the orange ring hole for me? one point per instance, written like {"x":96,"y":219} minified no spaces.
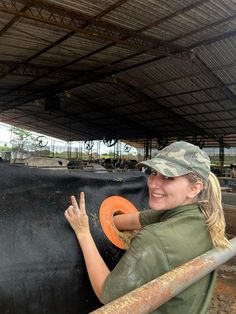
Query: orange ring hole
{"x":111,"y":206}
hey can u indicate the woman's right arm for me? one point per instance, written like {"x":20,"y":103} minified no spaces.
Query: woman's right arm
{"x":96,"y":267}
{"x":125,"y":222}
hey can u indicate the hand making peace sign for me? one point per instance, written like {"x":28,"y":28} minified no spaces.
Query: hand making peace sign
{"x":76,"y":215}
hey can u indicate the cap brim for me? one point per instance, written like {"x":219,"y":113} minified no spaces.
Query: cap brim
{"x":164,"y":167}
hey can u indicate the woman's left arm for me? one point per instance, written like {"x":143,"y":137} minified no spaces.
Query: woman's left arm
{"x":96,"y":267}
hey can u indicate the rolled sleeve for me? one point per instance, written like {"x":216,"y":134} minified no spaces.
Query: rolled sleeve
{"x":149,"y":216}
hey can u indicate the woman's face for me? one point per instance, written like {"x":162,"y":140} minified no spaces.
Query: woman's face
{"x":167,"y":193}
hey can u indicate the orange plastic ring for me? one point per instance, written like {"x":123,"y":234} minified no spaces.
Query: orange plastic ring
{"x":110,"y":206}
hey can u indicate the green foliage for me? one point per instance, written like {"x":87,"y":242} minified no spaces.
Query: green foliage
{"x":106,"y":155}
{"x":5,"y":148}
{"x":21,"y":134}
{"x":22,"y":137}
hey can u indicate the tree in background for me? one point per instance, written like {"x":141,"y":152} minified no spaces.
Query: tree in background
{"x":21,"y":138}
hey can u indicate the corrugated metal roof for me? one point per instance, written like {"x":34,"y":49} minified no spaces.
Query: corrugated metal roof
{"x":127,"y":69}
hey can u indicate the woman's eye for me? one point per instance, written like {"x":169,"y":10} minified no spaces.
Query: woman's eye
{"x":153,"y":173}
{"x":168,"y":178}
{"x":149,"y":172}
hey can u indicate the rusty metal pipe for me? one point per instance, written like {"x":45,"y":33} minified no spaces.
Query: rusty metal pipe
{"x":150,"y":296}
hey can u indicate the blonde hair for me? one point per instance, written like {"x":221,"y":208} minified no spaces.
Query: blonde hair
{"x":209,"y":200}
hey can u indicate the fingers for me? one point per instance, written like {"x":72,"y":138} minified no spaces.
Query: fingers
{"x":69,"y":213}
{"x":81,"y":206}
{"x":82,"y":203}
{"x":74,"y":202}
{"x":76,"y":215}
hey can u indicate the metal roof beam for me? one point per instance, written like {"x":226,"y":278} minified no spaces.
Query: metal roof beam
{"x":97,"y":77}
{"x":31,"y":70}
{"x":109,"y":113}
{"x":203,"y":28}
{"x":109,"y":9}
{"x":15,"y":67}
{"x":72,"y":128}
{"x":41,"y":2}
{"x":14,"y":19}
{"x":174,"y":14}
{"x":18,"y":65}
{"x":23,"y":68}
{"x":173,"y":107}
{"x":227,"y":92}
{"x":137,"y":93}
{"x":46,"y":13}
{"x":91,"y":77}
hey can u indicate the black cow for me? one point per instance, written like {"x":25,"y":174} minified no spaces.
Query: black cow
{"x":42,"y":268}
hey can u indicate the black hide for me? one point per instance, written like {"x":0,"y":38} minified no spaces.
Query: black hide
{"x":41,"y":266}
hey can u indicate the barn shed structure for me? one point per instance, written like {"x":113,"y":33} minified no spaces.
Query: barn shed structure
{"x":146,"y":72}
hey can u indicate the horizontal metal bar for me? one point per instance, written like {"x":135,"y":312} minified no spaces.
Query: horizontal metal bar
{"x":150,"y":296}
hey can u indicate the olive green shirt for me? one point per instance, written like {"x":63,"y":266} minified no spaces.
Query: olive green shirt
{"x":166,"y":240}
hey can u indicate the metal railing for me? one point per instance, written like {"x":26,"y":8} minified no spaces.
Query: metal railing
{"x":150,"y":296}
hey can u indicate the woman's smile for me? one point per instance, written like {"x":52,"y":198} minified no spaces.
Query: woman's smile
{"x":156,"y":194}
{"x":166,"y":192}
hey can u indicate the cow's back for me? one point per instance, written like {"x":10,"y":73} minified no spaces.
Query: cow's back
{"x":41,"y":267}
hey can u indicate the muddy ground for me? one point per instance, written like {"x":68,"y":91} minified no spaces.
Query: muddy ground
{"x":224,"y":299}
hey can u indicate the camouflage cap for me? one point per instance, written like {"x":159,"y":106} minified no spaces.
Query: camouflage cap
{"x":180,"y":158}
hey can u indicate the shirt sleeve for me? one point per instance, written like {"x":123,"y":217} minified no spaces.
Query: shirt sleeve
{"x":143,"y":261}
{"x":149,"y":216}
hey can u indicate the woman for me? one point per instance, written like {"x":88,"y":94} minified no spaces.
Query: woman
{"x":186,"y":220}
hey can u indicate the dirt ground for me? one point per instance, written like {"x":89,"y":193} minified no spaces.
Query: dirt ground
{"x":224,"y":299}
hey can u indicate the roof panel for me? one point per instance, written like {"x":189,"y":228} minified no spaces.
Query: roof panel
{"x":91,"y":8}
{"x":147,"y":67}
{"x":137,"y":14}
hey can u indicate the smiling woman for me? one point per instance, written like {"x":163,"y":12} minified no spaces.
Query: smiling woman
{"x":185,"y":220}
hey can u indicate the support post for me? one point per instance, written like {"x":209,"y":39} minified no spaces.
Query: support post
{"x":221,"y":154}
{"x":147,"y":149}
{"x":69,"y":150}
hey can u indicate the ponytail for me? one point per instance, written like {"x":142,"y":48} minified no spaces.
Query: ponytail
{"x":209,"y":201}
{"x":211,"y":206}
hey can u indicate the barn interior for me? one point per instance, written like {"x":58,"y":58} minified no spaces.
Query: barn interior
{"x":143,"y":72}
{"x":146,"y":73}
